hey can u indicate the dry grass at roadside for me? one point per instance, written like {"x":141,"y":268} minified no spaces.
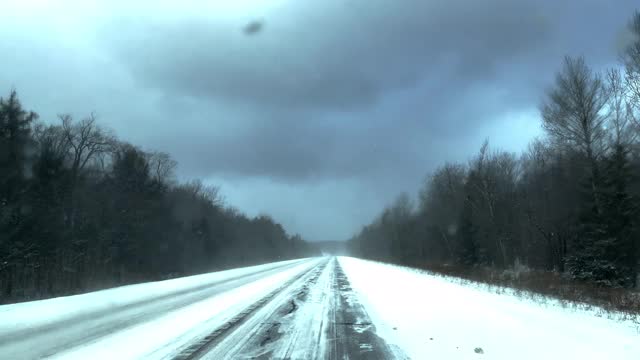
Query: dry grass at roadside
{"x":541,"y":286}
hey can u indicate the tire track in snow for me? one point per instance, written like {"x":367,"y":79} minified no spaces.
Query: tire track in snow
{"x":50,"y":339}
{"x":205,"y":344}
{"x":316,"y":318}
{"x":354,"y":334}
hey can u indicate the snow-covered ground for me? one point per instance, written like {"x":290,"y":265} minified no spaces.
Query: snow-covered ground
{"x":137,"y":321}
{"x":319,"y":308}
{"x":431,"y":318}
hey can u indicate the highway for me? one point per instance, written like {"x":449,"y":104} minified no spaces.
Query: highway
{"x":302,"y":309}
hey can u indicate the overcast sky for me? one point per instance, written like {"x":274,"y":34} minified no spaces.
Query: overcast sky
{"x":325,"y":115}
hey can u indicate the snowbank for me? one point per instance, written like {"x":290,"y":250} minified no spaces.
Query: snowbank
{"x":430,"y":317}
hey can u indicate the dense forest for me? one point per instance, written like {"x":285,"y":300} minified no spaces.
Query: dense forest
{"x":568,"y":204}
{"x":81,"y":210}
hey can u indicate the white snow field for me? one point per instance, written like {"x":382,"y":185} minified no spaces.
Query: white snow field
{"x":318,"y":308}
{"x":430,"y":317}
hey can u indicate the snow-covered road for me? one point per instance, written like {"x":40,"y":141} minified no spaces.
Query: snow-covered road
{"x":137,"y":321}
{"x":290,"y":310}
{"x":320,"y":308}
{"x":316,"y":318}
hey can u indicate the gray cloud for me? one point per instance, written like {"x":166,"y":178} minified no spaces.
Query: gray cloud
{"x":331,"y":54}
{"x":330,"y":110}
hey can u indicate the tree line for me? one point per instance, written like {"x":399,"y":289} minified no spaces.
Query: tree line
{"x":81,"y":210}
{"x":568,"y":203}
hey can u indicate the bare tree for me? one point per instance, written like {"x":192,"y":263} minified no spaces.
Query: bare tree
{"x":492,"y":184}
{"x":402,"y":207}
{"x":441,"y":201}
{"x":86,"y":140}
{"x":575,"y":114}
{"x":53,"y":137}
{"x":575,"y":111}
{"x":620,"y":110}
{"x":209,"y":193}
{"x":162,"y":166}
{"x":631,"y":59}
{"x":547,"y":192}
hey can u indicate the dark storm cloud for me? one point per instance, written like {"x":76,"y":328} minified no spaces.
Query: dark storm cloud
{"x":340,"y":104}
{"x":313,"y":149}
{"x":333,"y":54}
{"x":315,"y":60}
{"x":461,"y":63}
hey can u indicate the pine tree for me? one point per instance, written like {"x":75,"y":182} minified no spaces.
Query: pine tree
{"x":15,"y":156}
{"x":604,"y":250}
{"x":585,"y":261}
{"x":468,"y":251}
{"x":620,"y":209}
{"x":15,"y":146}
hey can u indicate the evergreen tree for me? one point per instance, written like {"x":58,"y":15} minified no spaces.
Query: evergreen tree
{"x":16,"y":152}
{"x":586,"y":261}
{"x":468,"y":249}
{"x":620,"y":211}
